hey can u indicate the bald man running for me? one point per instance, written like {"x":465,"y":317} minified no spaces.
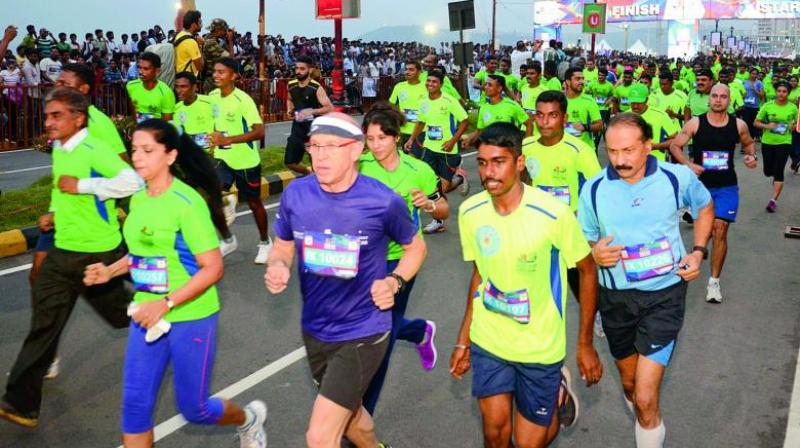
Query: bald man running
{"x":715,"y":135}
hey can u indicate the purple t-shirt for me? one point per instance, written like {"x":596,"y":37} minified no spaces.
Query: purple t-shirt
{"x":341,"y":241}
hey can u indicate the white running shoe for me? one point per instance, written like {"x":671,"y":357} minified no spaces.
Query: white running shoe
{"x":713,"y":293}
{"x":228,"y":246}
{"x":464,"y":187}
{"x":264,"y":248}
{"x":255,"y":436}
{"x":53,"y":371}
{"x":229,"y":208}
{"x":435,"y":226}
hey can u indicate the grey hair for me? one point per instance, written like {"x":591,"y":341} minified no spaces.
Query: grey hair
{"x":73,"y":99}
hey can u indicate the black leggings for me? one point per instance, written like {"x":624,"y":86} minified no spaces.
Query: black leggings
{"x":775,"y":157}
{"x":749,"y":117}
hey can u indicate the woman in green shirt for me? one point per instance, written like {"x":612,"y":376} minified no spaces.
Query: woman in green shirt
{"x":777,"y":119}
{"x":174,"y":262}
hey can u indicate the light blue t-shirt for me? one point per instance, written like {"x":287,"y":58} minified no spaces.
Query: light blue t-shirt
{"x":751,"y":98}
{"x":644,"y":218}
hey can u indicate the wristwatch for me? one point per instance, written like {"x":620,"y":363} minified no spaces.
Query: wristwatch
{"x":170,"y":303}
{"x":702,"y":250}
{"x":401,"y":282}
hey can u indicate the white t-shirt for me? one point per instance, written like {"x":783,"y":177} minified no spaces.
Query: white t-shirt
{"x":51,"y":69}
{"x":518,"y":58}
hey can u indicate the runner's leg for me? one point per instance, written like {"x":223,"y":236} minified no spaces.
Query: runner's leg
{"x":496,"y":413}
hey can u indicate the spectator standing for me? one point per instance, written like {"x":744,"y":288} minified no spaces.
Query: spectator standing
{"x":51,"y":66}
{"x":188,"y":57}
{"x":45,"y":42}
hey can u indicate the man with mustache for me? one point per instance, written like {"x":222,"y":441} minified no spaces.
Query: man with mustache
{"x":629,"y":214}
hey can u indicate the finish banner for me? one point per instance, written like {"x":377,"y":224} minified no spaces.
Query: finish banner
{"x":564,"y":12}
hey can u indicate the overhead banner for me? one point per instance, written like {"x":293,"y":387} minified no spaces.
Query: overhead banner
{"x":563,"y":12}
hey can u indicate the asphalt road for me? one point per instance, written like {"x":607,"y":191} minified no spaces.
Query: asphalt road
{"x":729,"y":384}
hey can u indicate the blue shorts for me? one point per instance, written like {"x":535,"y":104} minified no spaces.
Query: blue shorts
{"x":726,"y":202}
{"x":248,"y":180}
{"x":534,"y":386}
{"x":46,"y":241}
{"x":191,"y":347}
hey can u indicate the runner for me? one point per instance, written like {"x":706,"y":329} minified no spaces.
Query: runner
{"x":664,"y":129}
{"x":776,"y":118}
{"x":512,"y":81}
{"x":500,"y":109}
{"x":307,"y":99}
{"x":87,"y":174}
{"x":150,"y":97}
{"x":480,"y":79}
{"x":697,"y":103}
{"x":714,"y":136}
{"x":438,"y":114}
{"x":621,"y":101}
{"x":531,"y":90}
{"x":429,"y":64}
{"x":174,"y":263}
{"x":194,"y":116}
{"x":583,"y":114}
{"x":407,"y":96}
{"x":337,"y":215}
{"x":551,"y":80}
{"x":513,"y":334}
{"x":753,"y":98}
{"x":602,"y":92}
{"x":629,"y":213}
{"x":670,"y":100}
{"x":238,"y":131}
{"x":418,"y":185}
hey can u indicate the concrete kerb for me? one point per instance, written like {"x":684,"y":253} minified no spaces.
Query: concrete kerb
{"x":18,"y":241}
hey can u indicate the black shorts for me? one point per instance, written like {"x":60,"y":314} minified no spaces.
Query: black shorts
{"x":775,"y":158}
{"x":344,"y":370}
{"x":444,"y":165}
{"x":644,"y":322}
{"x":416,"y":147}
{"x":248,"y":181}
{"x":296,"y":144}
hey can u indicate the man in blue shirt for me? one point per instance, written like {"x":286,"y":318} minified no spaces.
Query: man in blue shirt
{"x":341,"y":223}
{"x":629,"y":214}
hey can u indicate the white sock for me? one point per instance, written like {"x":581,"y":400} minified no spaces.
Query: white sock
{"x":650,"y":438}
{"x":713,"y":280}
{"x":249,"y":419}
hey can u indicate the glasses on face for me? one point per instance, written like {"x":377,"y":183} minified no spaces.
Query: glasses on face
{"x":316,"y":149}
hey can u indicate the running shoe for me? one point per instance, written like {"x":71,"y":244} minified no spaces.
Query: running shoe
{"x":264,"y":249}
{"x":254,"y":436}
{"x":53,"y":370}
{"x":464,"y":187}
{"x":569,"y":407}
{"x":384,"y":445}
{"x":771,"y":206}
{"x":598,"y":326}
{"x":795,"y":166}
{"x":435,"y":226}
{"x":229,"y":209}
{"x":228,"y":246}
{"x":713,"y":293}
{"x":427,"y":348}
{"x":7,"y":412}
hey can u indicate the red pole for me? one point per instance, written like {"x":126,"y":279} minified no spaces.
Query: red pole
{"x":338,"y":72}
{"x":594,"y":36}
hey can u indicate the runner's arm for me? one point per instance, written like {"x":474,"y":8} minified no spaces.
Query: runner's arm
{"x":588,"y":362}
{"x":210,"y":272}
{"x":596,"y":126}
{"x":666,"y":144}
{"x":459,"y":360}
{"x":255,"y":134}
{"x":748,"y":145}
{"x":681,"y":140}
{"x":124,"y":184}
{"x":414,"y":254}
{"x":323,"y":99}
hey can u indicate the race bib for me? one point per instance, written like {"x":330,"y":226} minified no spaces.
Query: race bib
{"x":140,"y":117}
{"x":750,"y":101}
{"x":331,"y":255}
{"x":435,"y":133}
{"x":412,"y":115}
{"x":780,"y":129}
{"x":149,"y":274}
{"x":560,"y":193}
{"x":624,"y":101}
{"x":309,"y":117}
{"x":530,"y":111}
{"x":201,"y":140}
{"x":715,"y":160}
{"x":572,"y":131}
{"x":600,"y":100}
{"x":644,"y":261}
{"x":515,"y":305}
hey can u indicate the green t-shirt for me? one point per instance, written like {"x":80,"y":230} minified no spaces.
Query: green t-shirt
{"x":715,"y":69}
{"x":582,"y":109}
{"x":601,"y":92}
{"x":505,"y":111}
{"x":680,"y":85}
{"x":529,"y":95}
{"x":794,"y":95}
{"x":196,"y":119}
{"x":83,"y":222}
{"x":688,"y":76}
{"x":164,"y":234}
{"x":663,"y":128}
{"x":554,"y":84}
{"x":529,"y":266}
{"x":561,"y":169}
{"x":151,"y":103}
{"x":407,"y":97}
{"x":674,"y":102}
{"x":736,"y":99}
{"x":512,"y":81}
{"x":621,"y":94}
{"x":769,"y":90}
{"x":447,"y":85}
{"x":590,"y":76}
{"x":743,"y":76}
{"x":235,"y":114}
{"x":698,"y":102}
{"x":104,"y":129}
{"x":785,"y":116}
{"x":441,"y":117}
{"x":410,"y":174}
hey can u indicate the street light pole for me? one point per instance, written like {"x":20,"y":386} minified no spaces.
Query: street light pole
{"x":494,"y":23}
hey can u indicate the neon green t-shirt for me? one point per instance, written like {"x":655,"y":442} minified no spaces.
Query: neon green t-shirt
{"x":529,"y":95}
{"x":582,"y":109}
{"x":561,"y":169}
{"x":447,"y":85}
{"x":736,"y":99}
{"x":621,"y":94}
{"x":590,"y":76}
{"x":601,"y":92}
{"x":512,"y":81}
{"x":769,"y":90}
{"x":410,"y":174}
{"x":680,"y":85}
{"x":530,"y":267}
{"x":794,"y":95}
{"x":554,"y":84}
{"x":151,"y":103}
{"x":785,"y":116}
{"x":196,"y":120}
{"x":235,"y":114}
{"x":101,"y":126}
{"x":83,"y":222}
{"x":505,"y":111}
{"x":441,"y":117}
{"x":674,"y":102}
{"x":743,"y":76}
{"x":164,"y":234}
{"x":407,"y":97}
{"x":698,"y":102}
{"x":663,"y":128}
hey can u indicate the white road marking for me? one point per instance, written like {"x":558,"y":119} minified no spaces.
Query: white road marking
{"x":792,"y":439}
{"x":12,"y":151}
{"x":33,"y":168}
{"x":9,"y":271}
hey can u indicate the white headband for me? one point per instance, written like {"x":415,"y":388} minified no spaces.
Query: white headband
{"x":335,"y":126}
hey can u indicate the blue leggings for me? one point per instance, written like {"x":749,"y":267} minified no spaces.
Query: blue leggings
{"x":191,"y":347}
{"x":403,"y":329}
